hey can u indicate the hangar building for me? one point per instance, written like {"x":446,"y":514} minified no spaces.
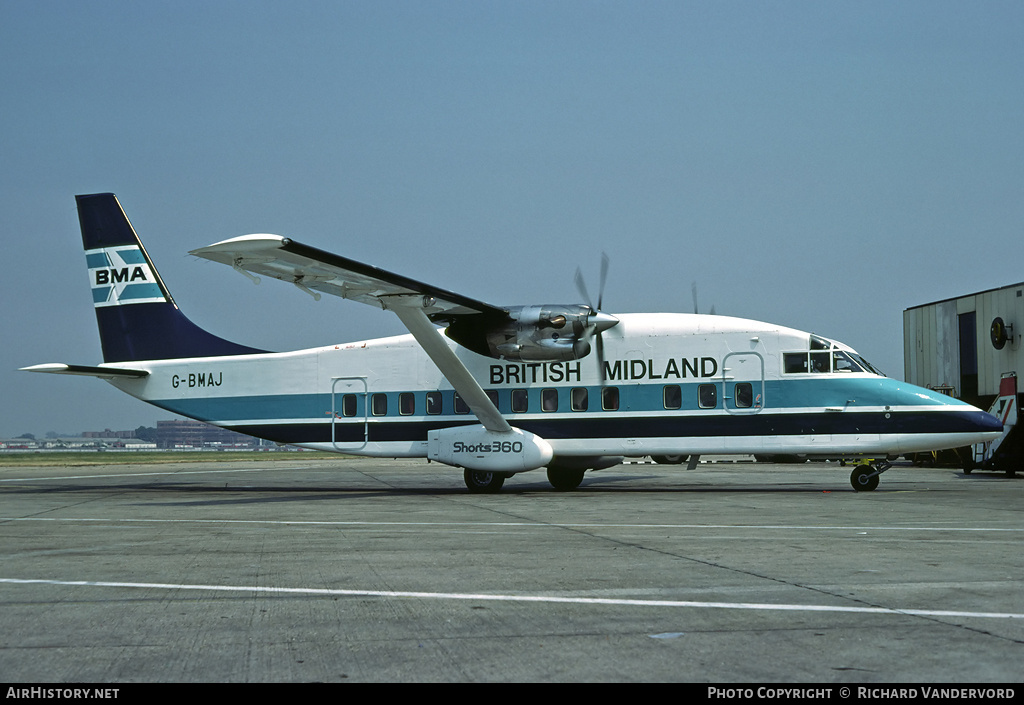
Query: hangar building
{"x":970,"y":347}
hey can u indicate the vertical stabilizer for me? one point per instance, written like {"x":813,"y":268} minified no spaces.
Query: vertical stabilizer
{"x":137,"y":317}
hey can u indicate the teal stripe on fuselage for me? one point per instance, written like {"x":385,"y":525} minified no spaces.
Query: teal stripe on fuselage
{"x":224,"y":410}
{"x":778,"y":395}
{"x":838,"y":391}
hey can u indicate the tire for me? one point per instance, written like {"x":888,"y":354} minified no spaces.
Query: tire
{"x":862,"y":478}
{"x":669,"y":459}
{"x":564,"y":479}
{"x":479,"y":482}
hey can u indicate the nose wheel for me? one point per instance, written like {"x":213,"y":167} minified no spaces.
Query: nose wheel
{"x":864,"y":478}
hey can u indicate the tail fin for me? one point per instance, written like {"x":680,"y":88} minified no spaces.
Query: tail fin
{"x":138,"y":319}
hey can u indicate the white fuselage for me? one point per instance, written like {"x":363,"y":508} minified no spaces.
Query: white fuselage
{"x":674,"y":384}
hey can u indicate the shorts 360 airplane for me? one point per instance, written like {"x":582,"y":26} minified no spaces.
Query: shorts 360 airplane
{"x":502,"y":389}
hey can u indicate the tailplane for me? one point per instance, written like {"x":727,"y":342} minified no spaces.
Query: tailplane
{"x":137,"y":317}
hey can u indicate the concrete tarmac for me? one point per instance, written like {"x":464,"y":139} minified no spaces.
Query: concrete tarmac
{"x":353,"y":570}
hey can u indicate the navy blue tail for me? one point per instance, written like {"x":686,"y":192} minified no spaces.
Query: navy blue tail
{"x":138,"y":319}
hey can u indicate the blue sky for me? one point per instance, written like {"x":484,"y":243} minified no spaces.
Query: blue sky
{"x":821,"y":165}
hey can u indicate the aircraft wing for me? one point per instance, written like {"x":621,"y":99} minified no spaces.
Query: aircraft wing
{"x":314,"y":270}
{"x":416,"y":304}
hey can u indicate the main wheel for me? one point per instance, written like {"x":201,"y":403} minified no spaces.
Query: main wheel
{"x":669,"y":459}
{"x":864,"y":478}
{"x":565,"y":478}
{"x":480,"y":482}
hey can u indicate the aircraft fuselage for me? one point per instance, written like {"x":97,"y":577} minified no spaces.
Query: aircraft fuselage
{"x":674,"y":384}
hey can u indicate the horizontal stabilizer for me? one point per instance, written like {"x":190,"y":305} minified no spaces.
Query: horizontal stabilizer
{"x":59,"y":368}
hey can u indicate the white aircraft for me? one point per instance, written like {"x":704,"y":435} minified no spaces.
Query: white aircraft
{"x":502,"y":389}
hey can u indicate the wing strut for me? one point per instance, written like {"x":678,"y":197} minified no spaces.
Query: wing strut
{"x":409,"y":310}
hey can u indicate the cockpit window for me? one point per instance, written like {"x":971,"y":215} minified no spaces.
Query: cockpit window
{"x":819,"y":343}
{"x":868,"y":366}
{"x":821,"y":362}
{"x":842,"y":362}
{"x":795,"y":363}
{"x":830,"y":360}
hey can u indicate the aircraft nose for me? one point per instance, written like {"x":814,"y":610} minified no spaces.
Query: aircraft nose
{"x":981,"y":423}
{"x":987,"y":423}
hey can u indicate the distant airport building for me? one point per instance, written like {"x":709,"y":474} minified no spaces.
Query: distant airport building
{"x":186,"y":433}
{"x":82,"y":442}
{"x":108,"y":434}
{"x":970,"y":347}
{"x":179,"y":434}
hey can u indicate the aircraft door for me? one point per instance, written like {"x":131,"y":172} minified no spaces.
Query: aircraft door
{"x":743,"y":385}
{"x":350,"y":413}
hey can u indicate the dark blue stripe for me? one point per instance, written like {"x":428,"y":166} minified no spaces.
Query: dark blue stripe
{"x":764,"y":424}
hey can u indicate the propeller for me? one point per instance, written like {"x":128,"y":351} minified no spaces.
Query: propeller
{"x":694,"y":289}
{"x":597,"y":321}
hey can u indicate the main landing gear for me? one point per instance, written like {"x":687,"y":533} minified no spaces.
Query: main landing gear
{"x":481,"y":482}
{"x":864,"y":478}
{"x":565,"y":479}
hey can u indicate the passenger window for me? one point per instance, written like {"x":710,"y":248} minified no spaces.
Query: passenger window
{"x":348,"y":405}
{"x":744,"y":395}
{"x":707,"y":396}
{"x":549,"y":400}
{"x":672,"y":396}
{"x":520,"y":401}
{"x":379,"y":404}
{"x":795,"y":363}
{"x":492,"y":394}
{"x":406,"y":404}
{"x":461,"y":407}
{"x":433,"y":402}
{"x":610,"y":398}
{"x":580,"y":399}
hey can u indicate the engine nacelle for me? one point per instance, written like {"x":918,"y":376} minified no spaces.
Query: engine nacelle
{"x":550,"y":333}
{"x":476,"y":448}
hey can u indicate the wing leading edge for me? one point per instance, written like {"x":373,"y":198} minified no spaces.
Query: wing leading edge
{"x":312,"y":269}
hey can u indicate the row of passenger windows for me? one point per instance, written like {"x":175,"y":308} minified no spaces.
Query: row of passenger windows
{"x":519,"y":400}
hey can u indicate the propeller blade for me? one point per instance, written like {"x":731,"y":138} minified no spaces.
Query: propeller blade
{"x":582,"y":288}
{"x":695,"y":309}
{"x":597,"y":322}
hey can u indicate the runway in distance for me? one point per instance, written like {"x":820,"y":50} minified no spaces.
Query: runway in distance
{"x":501,"y":389}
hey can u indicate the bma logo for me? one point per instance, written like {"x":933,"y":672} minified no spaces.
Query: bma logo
{"x":122,"y":275}
{"x":116,"y":276}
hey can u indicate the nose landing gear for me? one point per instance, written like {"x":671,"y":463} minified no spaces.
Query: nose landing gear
{"x":864,"y":477}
